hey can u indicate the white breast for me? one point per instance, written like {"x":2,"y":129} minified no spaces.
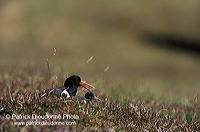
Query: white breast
{"x":65,"y":93}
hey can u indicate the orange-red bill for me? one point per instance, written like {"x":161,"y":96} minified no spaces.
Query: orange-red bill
{"x":84,"y":83}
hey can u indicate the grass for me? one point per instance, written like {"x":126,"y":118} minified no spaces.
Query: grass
{"x":107,"y":115}
{"x":142,"y":87}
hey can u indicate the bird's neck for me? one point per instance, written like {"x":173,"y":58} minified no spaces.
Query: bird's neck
{"x":72,"y":90}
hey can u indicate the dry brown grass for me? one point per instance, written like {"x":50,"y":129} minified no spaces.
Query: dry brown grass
{"x":106,"y":115}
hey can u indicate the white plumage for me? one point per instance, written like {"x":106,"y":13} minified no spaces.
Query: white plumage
{"x":65,"y":93}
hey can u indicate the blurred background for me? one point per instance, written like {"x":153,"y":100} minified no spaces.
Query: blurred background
{"x":126,"y":49}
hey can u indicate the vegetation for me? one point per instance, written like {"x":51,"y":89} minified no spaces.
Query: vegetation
{"x":107,"y":115}
{"x":142,"y":87}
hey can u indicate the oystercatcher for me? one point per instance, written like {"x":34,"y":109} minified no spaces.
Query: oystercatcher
{"x":89,"y":96}
{"x":69,"y":89}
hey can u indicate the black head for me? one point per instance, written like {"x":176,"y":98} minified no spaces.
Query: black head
{"x":75,"y":81}
{"x":89,"y":95}
{"x":72,"y":84}
{"x":72,"y":81}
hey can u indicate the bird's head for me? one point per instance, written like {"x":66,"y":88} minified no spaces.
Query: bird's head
{"x":90,"y":96}
{"x":76,"y":81}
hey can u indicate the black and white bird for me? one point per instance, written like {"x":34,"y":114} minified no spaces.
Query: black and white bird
{"x":89,"y":96}
{"x":69,"y":89}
